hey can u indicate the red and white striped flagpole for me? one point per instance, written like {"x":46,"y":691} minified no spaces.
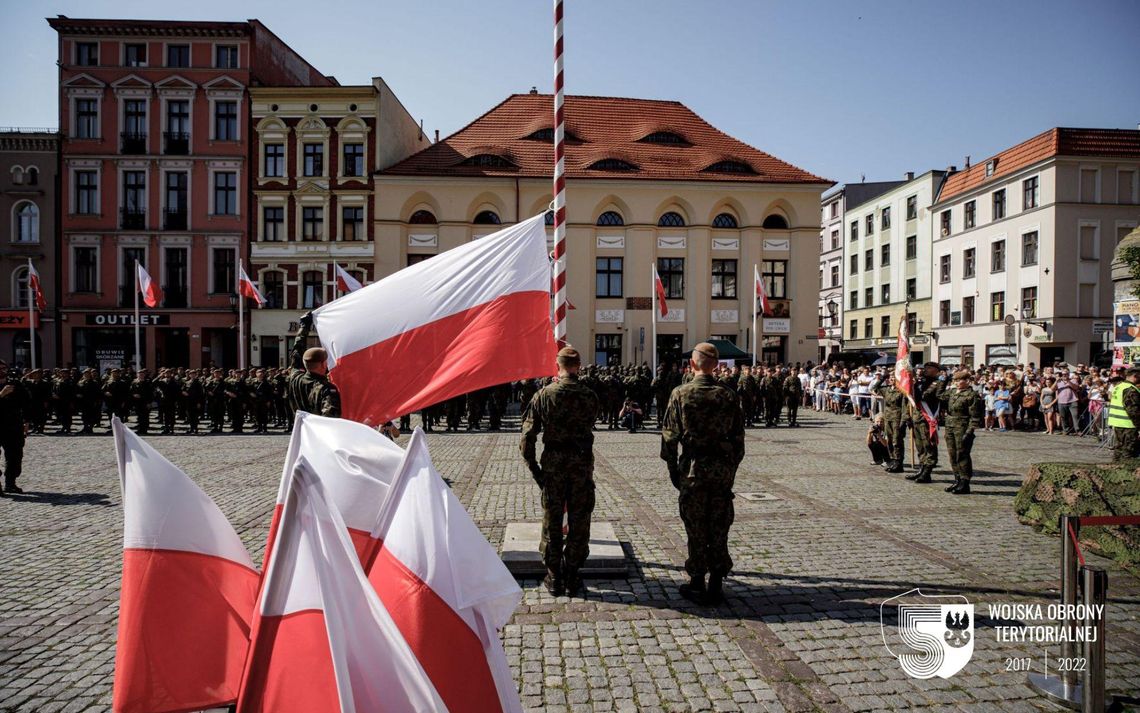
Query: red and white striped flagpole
{"x":559,"y":185}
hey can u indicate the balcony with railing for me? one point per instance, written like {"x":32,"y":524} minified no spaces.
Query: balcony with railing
{"x":132,"y":143}
{"x":175,"y":143}
{"x":174,"y":219}
{"x":132,"y":218}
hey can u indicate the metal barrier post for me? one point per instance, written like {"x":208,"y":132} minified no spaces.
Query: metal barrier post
{"x":1095,"y":585}
{"x":1064,"y":689}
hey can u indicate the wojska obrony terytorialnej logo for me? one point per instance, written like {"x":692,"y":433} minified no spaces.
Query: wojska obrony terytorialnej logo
{"x":929,"y":635}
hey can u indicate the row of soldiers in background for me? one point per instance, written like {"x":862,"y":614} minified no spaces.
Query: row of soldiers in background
{"x":174,"y":395}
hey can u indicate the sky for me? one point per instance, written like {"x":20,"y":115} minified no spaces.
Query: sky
{"x":842,"y":88}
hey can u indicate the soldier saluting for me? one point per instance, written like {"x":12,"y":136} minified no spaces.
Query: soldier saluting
{"x":704,"y":420}
{"x":564,"y":412}
{"x":308,"y":389}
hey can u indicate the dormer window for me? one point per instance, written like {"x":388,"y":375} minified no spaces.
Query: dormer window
{"x":612,"y":164}
{"x":664,"y":137}
{"x":730,"y":167}
{"x":991,"y":166}
{"x":488,"y":160}
{"x":547,"y":135}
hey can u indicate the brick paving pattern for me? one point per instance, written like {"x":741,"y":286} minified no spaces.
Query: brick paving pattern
{"x":800,"y":630}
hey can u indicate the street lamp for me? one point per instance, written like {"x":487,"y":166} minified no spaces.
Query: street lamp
{"x":832,"y":308}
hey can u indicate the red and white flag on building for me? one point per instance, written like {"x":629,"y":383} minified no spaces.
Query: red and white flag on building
{"x":151,"y":292}
{"x":903,"y":377}
{"x":322,"y":640}
{"x":345,"y":282}
{"x":659,"y":290}
{"x":35,"y":287}
{"x":247,"y":288}
{"x":445,"y":587}
{"x":469,"y":318}
{"x":188,"y":590}
{"x":761,"y":293}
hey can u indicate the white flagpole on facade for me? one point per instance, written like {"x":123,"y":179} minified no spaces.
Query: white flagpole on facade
{"x":138,"y":341}
{"x":241,"y":317}
{"x":31,"y":315}
{"x":755,"y":309}
{"x":653,"y":312}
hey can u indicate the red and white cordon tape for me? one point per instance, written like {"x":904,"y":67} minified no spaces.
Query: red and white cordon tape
{"x":559,"y":185}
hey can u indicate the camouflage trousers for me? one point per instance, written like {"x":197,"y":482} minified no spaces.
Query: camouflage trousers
{"x":568,"y":486}
{"x":894,"y":431}
{"x":772,"y":407}
{"x":959,"y":443}
{"x":927,"y":450}
{"x":706,"y":509}
{"x":792,"y":404}
{"x":1126,"y":445}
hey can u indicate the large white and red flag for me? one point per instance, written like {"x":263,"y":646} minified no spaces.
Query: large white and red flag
{"x":35,"y":286}
{"x":248,"y":289}
{"x":151,"y":292}
{"x":322,"y":640}
{"x":902,"y":363}
{"x":445,"y":587}
{"x":188,"y":590}
{"x":761,"y":293}
{"x":344,"y":281}
{"x":357,"y":466}
{"x":659,"y":290}
{"x":469,"y":318}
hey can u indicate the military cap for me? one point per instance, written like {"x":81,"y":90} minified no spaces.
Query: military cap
{"x":707,"y":350}
{"x":932,"y":365}
{"x":315,"y":355}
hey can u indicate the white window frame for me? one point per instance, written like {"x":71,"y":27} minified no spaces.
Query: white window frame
{"x":85,"y":241}
{"x":120,"y":190}
{"x":1096,"y":182}
{"x":225,"y":91}
{"x":311,"y":267}
{"x":214,"y":54}
{"x":177,"y":244}
{"x":17,"y":290}
{"x":97,"y":96}
{"x":123,"y":243}
{"x":1133,"y":199}
{"x":312,"y":201}
{"x":272,"y":201}
{"x":16,"y":223}
{"x":224,"y":167}
{"x":352,"y":202}
{"x":176,"y":167}
{"x":213,"y":288}
{"x":166,"y":55}
{"x":312,"y":135}
{"x":75,"y":167}
{"x":274,"y":267}
{"x":1086,"y":223}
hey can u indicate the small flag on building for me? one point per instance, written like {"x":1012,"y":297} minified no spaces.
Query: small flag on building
{"x":150,"y":290}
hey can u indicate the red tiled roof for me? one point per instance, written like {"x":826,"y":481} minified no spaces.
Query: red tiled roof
{"x":602,"y":128}
{"x":1109,"y":143}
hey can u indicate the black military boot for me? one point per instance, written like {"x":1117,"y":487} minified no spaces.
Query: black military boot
{"x":10,"y":487}
{"x":954,"y":487}
{"x":916,"y":474}
{"x":895,"y":467}
{"x":924,"y":474}
{"x":962,"y":487}
{"x":553,"y":584}
{"x":574,"y":585}
{"x":715,"y":594}
{"x":694,"y":590}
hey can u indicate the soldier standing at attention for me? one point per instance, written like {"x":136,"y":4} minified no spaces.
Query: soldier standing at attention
{"x":14,"y":401}
{"x":894,"y":408}
{"x":793,"y":394}
{"x":90,"y":400}
{"x":216,"y":400}
{"x":565,"y":412}
{"x":142,"y":394}
{"x":1124,"y":416}
{"x":704,"y":420}
{"x":927,"y":390}
{"x":964,"y":411}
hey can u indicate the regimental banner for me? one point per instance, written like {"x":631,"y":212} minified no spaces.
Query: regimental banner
{"x":16,"y":319}
{"x":126,"y":320}
{"x":1126,"y":323}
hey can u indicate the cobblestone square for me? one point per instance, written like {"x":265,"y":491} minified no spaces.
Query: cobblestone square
{"x":831,"y":538}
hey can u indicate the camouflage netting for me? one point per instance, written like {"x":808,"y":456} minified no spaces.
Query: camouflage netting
{"x":1053,"y":489}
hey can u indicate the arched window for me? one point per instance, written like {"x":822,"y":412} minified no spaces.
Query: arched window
{"x":33,"y":176}
{"x":312,"y":289}
{"x":548,"y":217}
{"x":422,"y":217}
{"x":273,"y":287}
{"x":671,"y":220}
{"x":612,"y":164}
{"x":730,"y":167}
{"x":610,"y":217}
{"x":664,"y":137}
{"x":20,"y":287}
{"x":17,"y":175}
{"x":487,"y":217}
{"x":775,"y":222}
{"x":27,"y":223}
{"x":488,"y":160}
{"x":724,"y":220}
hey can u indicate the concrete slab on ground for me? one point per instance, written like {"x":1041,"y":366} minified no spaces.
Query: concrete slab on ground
{"x":520,"y":551}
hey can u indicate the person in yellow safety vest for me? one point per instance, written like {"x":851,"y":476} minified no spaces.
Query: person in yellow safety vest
{"x":1124,"y":415}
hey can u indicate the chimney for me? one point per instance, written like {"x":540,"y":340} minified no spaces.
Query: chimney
{"x":967,"y":160}
{"x":437,"y":136}
{"x":534,"y":90}
{"x":421,"y":136}
{"x":951,"y":169}
{"x":910,"y":175}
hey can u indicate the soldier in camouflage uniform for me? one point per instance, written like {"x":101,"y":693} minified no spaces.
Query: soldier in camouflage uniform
{"x":745,"y":389}
{"x":964,"y":411}
{"x":309,"y":389}
{"x":927,"y":389}
{"x":564,"y":412}
{"x":894,"y":417}
{"x":90,"y":400}
{"x":773,"y":389}
{"x":142,"y":394}
{"x":704,"y":421}
{"x":793,"y":394}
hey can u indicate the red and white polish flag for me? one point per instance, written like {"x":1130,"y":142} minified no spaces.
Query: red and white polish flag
{"x":761,"y":293}
{"x":188,"y":590}
{"x":659,"y":290}
{"x":35,"y":287}
{"x":357,"y":466}
{"x":903,"y":381}
{"x":445,"y":587}
{"x":322,"y":640}
{"x":151,"y":292}
{"x":345,"y":282}
{"x":248,"y":289}
{"x":469,"y":318}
